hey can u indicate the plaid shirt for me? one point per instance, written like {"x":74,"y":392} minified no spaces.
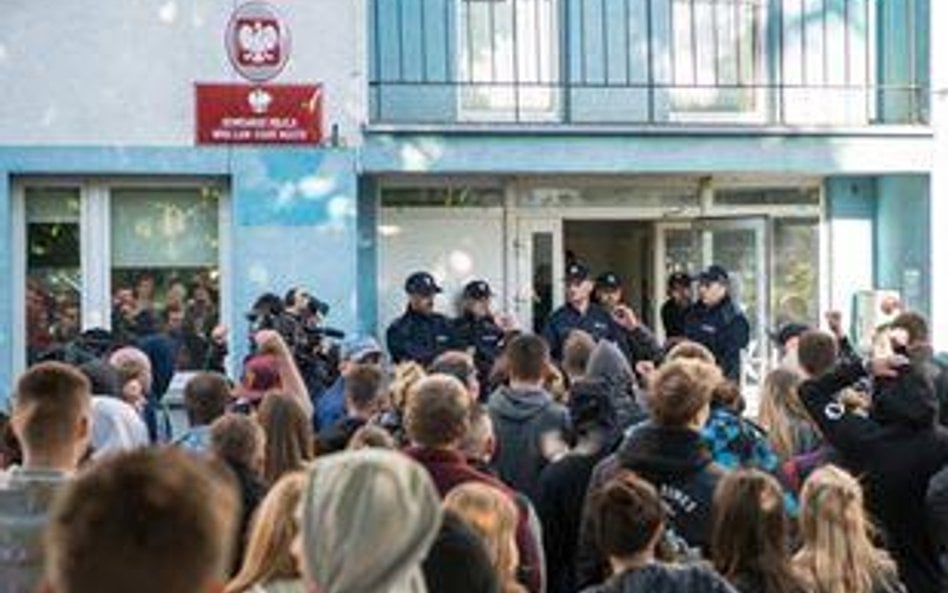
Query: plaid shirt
{"x":735,"y":442}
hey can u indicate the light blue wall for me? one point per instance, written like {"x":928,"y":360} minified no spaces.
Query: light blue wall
{"x":293,"y":220}
{"x":903,"y":238}
{"x":851,"y":213}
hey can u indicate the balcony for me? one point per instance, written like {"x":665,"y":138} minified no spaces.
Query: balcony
{"x":651,"y":63}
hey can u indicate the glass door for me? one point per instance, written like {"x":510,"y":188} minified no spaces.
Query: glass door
{"x":739,"y":245}
{"x":539,"y":270}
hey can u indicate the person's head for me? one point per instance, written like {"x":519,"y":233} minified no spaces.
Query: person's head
{"x":680,"y":393}
{"x":459,"y":365}
{"x":145,"y":286}
{"x":201,"y":294}
{"x":480,"y":442}
{"x":688,"y":350}
{"x":406,"y":375}
{"x":272,"y":531}
{"x":787,"y":338}
{"x":206,"y":396}
{"x":288,"y":435}
{"x":750,"y":530}
{"x":493,"y":517}
{"x":728,"y":394}
{"x":349,"y":505}
{"x":609,"y":290}
{"x":149,"y":521}
{"x":627,"y":518}
{"x":174,"y":317}
{"x":679,"y":287}
{"x":780,"y":410}
{"x":913,"y":326}
{"x":579,"y":286}
{"x":371,"y":436}
{"x":476,"y":298}
{"x":577,"y":350}
{"x":838,"y":555}
{"x":713,"y":285}
{"x":438,"y":412}
{"x":103,"y":378}
{"x":528,"y":359}
{"x":239,"y":441}
{"x":590,"y":409}
{"x":817,"y":352}
{"x":135,"y":375}
{"x":359,"y":350}
{"x":421,"y":289}
{"x":51,"y":415}
{"x":261,"y":375}
{"x":364,"y":390}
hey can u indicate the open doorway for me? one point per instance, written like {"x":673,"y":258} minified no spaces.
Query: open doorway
{"x":625,"y":247}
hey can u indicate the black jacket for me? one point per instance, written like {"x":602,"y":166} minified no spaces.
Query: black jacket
{"x":563,"y":486}
{"x":521,"y":421}
{"x":673,"y":318}
{"x":418,"y":337}
{"x":596,"y":321}
{"x":662,"y":578}
{"x":679,"y":465}
{"x":722,"y":329}
{"x":937,"y":507}
{"x":484,"y":337}
{"x":897,"y":449}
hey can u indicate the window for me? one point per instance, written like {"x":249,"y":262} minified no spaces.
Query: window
{"x":796,"y":271}
{"x":509,"y":63}
{"x":135,"y":259}
{"x":716,"y":56}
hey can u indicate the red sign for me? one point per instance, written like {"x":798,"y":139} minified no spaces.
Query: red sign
{"x":258,"y":114}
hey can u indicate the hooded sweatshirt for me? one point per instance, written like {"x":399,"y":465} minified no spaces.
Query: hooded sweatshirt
{"x":522,"y":420}
{"x":369,"y":518}
{"x":897,"y":449}
{"x":609,"y":365}
{"x":677,"y":462}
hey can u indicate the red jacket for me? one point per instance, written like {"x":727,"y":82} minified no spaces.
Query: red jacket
{"x":449,"y":469}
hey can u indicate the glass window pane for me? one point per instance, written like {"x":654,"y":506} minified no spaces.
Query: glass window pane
{"x":767,"y":197}
{"x":542,"y":279}
{"x":428,"y":197}
{"x":164,"y":273}
{"x":796,"y":271}
{"x":736,"y":250}
{"x":53,"y":270}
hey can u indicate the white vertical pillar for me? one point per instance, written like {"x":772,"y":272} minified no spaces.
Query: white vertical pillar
{"x":939,"y":174}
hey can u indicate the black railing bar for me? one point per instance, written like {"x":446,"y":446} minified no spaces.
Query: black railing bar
{"x":627,"y":39}
{"x":756,"y":23}
{"x":803,"y":42}
{"x":451,"y":52}
{"x":738,"y":40}
{"x":914,"y":107}
{"x":781,"y":64}
{"x":401,"y":39}
{"x":645,"y":86}
{"x":377,"y":49}
{"x":493,"y":34}
{"x":424,"y":39}
{"x":537,"y":45}
{"x":650,"y":66}
{"x":825,"y":24}
{"x":566,"y":72}
{"x":868,"y":59}
{"x":847,"y":43}
{"x":717,"y":49}
{"x":516,"y":58}
{"x":604,"y":26}
{"x":673,"y":41}
{"x":694,"y":44}
{"x":582,"y":40}
{"x":469,"y":43}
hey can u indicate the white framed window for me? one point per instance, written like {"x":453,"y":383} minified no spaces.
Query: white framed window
{"x":717,"y":60}
{"x":508,"y":60}
{"x":134,"y":256}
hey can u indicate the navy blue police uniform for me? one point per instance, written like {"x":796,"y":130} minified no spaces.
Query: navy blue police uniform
{"x":419,"y":337}
{"x":673,"y":312}
{"x":595,"y":321}
{"x":723,"y":328}
{"x":480,"y":336}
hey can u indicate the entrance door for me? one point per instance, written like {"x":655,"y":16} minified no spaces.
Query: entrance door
{"x":539,"y":270}
{"x":739,"y":245}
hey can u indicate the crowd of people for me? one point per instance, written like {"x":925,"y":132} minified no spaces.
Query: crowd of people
{"x":471,"y":456}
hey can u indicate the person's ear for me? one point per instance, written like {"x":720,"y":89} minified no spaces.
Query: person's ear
{"x":84,"y":426}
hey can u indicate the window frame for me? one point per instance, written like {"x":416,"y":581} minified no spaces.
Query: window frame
{"x":95,"y":201}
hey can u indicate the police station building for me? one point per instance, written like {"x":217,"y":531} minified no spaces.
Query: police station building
{"x":167,"y":148}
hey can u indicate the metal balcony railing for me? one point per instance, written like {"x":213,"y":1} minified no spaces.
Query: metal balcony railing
{"x":649,"y":62}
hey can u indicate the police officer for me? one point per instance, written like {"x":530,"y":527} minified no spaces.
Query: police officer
{"x":639,"y":342}
{"x":420,"y":334}
{"x":477,"y":330}
{"x":717,"y":322}
{"x":675,"y":308}
{"x":580,"y":312}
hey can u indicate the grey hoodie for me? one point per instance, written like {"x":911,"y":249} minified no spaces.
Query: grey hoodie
{"x":522,"y":419}
{"x":607,"y":363}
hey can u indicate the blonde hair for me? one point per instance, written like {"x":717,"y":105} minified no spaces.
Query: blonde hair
{"x":272,"y":531}
{"x":406,"y":375}
{"x":780,"y":407}
{"x":493,"y":516}
{"x":837,"y":554}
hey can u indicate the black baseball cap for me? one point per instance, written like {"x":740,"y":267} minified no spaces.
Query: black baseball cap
{"x":577,"y":272}
{"x":788,"y":331}
{"x":477,"y":290}
{"x":679,"y":279}
{"x":609,"y":281}
{"x":422,"y":283}
{"x":714,"y":273}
